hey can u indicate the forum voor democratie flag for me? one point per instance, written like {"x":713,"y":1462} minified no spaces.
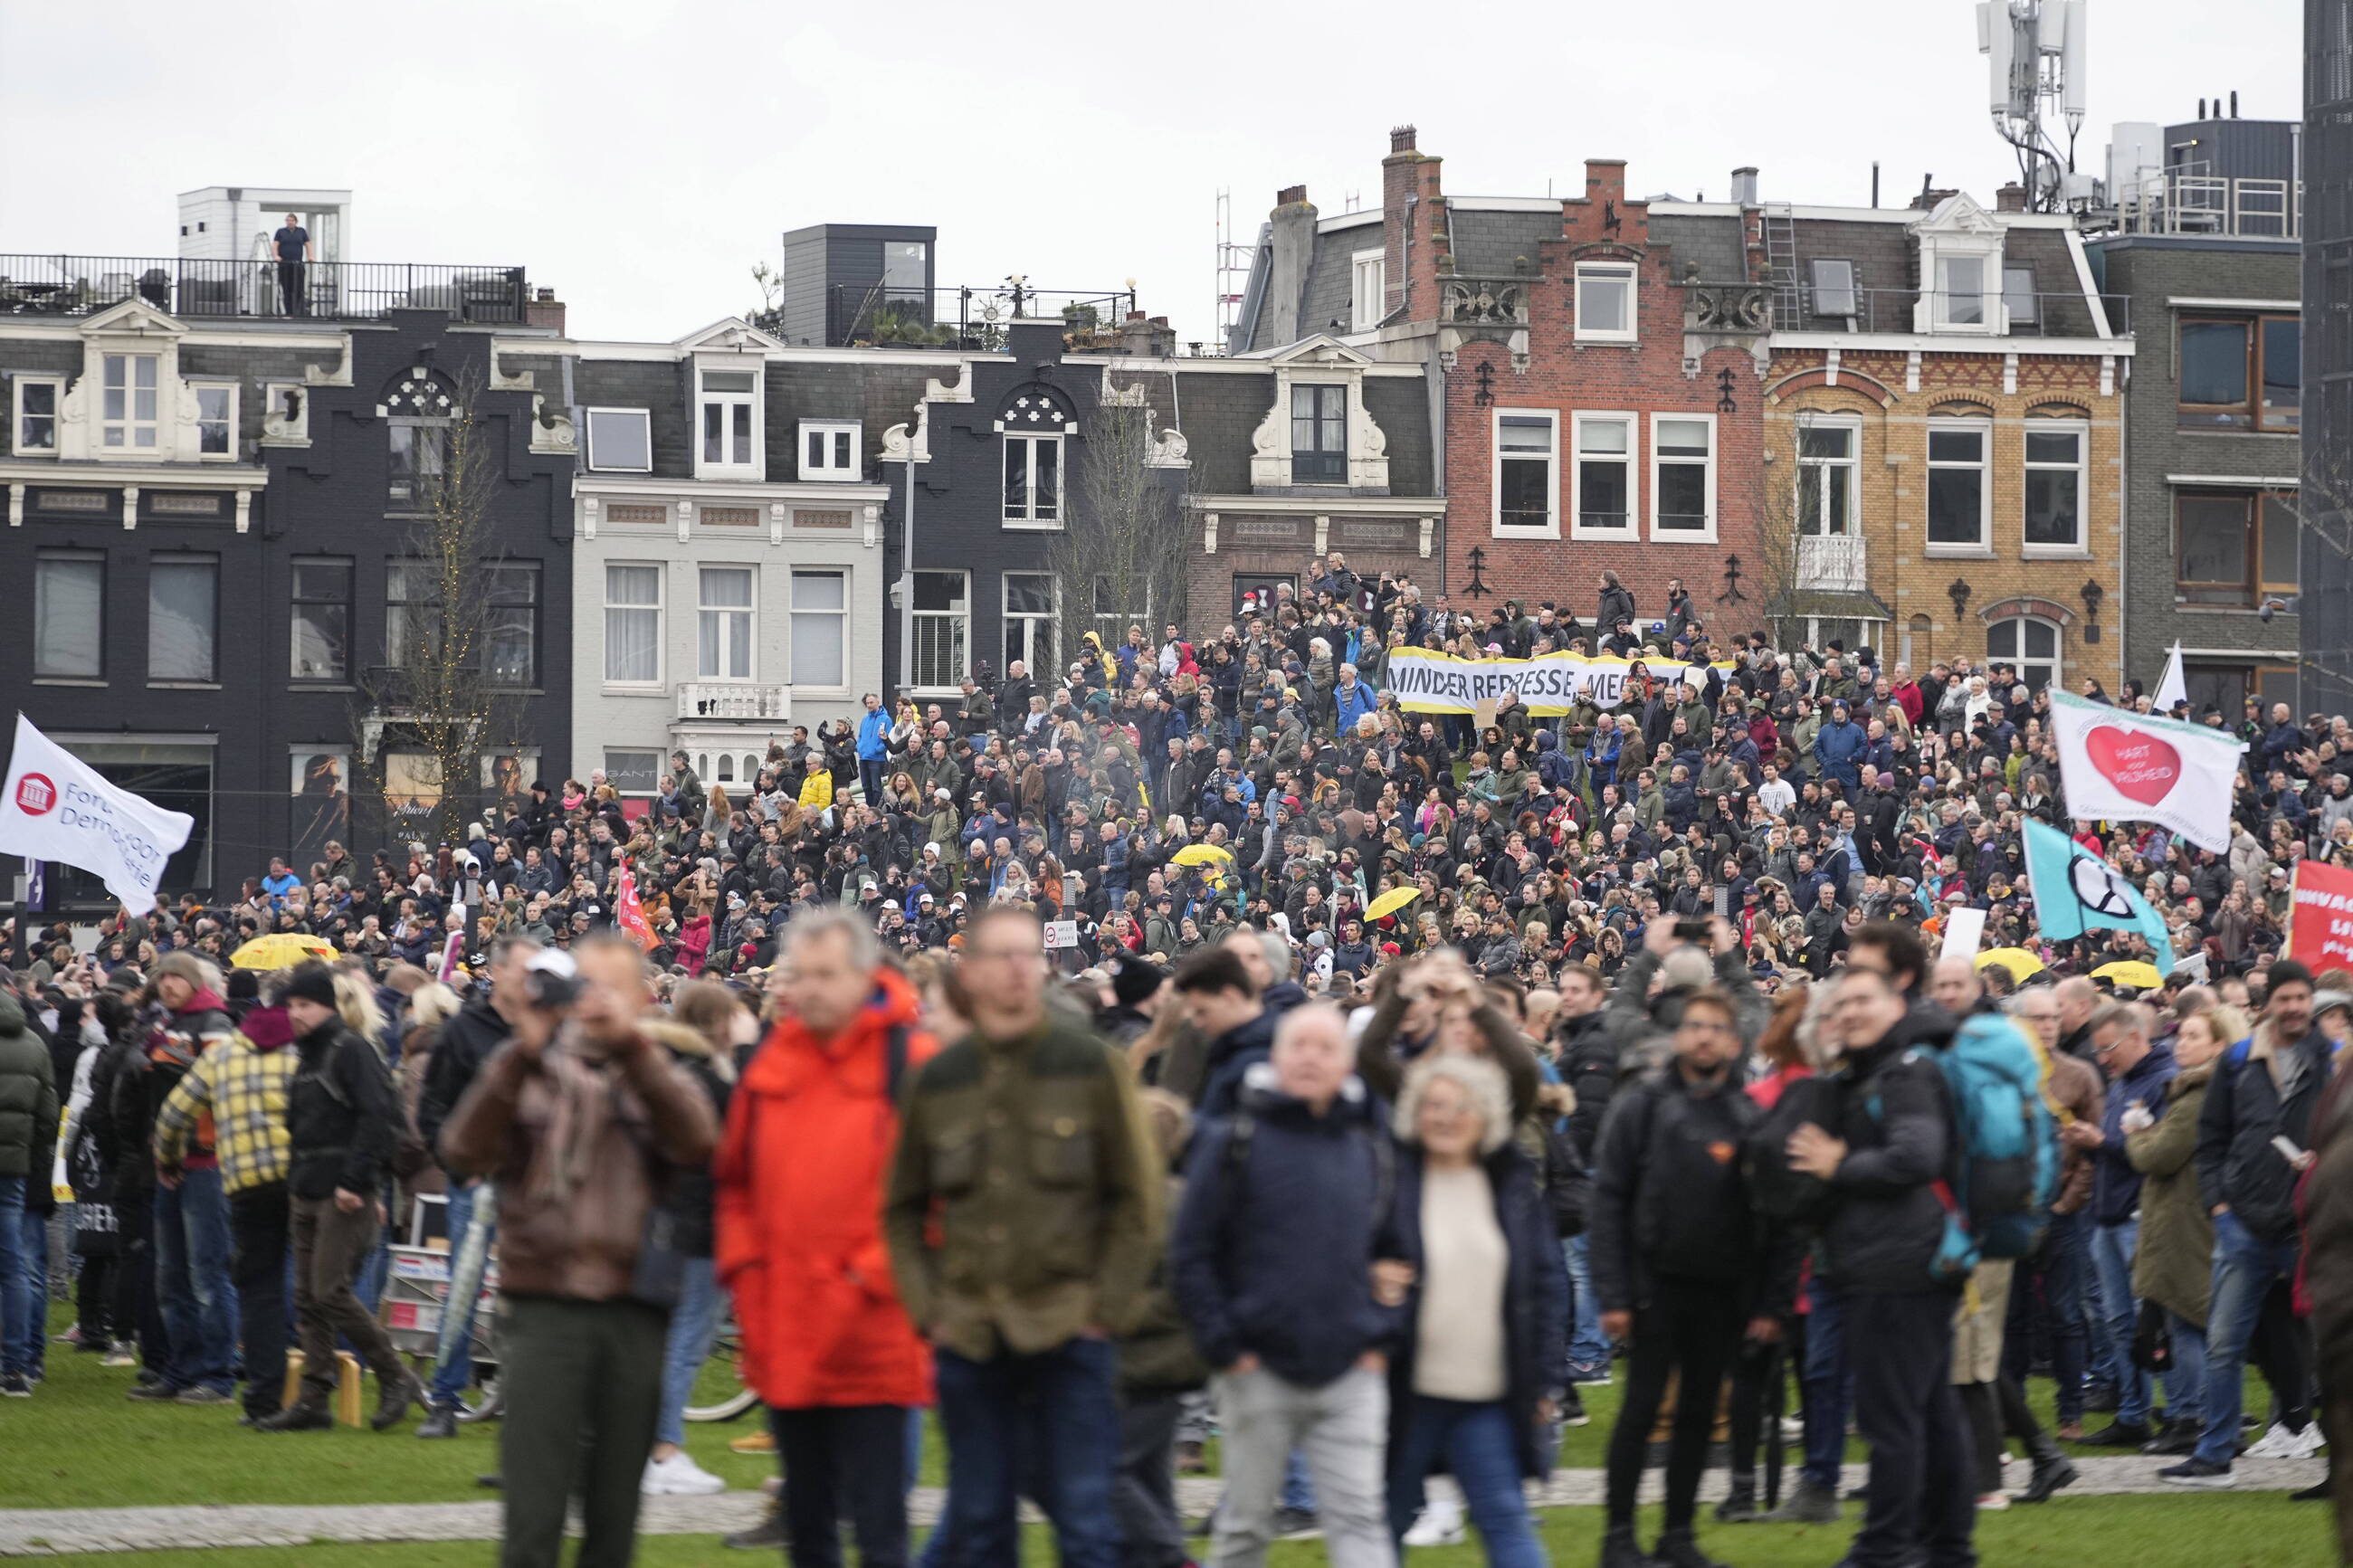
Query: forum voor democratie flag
{"x":55,"y":806}
{"x":2120,"y":767}
{"x":2074,"y":890}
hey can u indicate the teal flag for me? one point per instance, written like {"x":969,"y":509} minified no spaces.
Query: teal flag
{"x":2074,"y":890}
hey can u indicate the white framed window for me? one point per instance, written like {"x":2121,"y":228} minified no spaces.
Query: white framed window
{"x":621,"y":440}
{"x":1527,"y":479}
{"x":36,"y":416}
{"x":1605,"y":302}
{"x":1964,"y":295}
{"x":2031,"y":645}
{"x":1960,"y":503}
{"x":728,"y":437}
{"x":215,"y":420}
{"x":1030,"y":623}
{"x":942,"y":628}
{"x":829,"y":449}
{"x":182,"y":619}
{"x":2055,"y":487}
{"x":1833,"y":287}
{"x":70,"y":614}
{"x":723,"y":623}
{"x":1319,"y":433}
{"x":1601,"y":485}
{"x":1683,"y":475}
{"x":1368,"y":289}
{"x":633,"y":592}
{"x":1033,"y":481}
{"x":820,"y":608}
{"x":128,"y":401}
{"x":1827,"y":466}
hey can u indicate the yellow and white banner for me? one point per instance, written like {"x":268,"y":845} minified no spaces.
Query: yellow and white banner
{"x":1549,"y":685}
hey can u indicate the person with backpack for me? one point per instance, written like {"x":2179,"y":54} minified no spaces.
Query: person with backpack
{"x":1288,"y":1205}
{"x":341,"y":1113}
{"x":1683,"y":1266}
{"x":2138,"y":1069}
{"x":1888,"y":1161}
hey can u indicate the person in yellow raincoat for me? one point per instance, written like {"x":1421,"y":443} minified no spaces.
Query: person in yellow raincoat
{"x":817,"y":790}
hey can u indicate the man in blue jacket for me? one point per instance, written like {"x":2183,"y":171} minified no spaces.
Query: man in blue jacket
{"x":1839,"y":748}
{"x":1352,"y":700}
{"x":2137,"y":1070}
{"x":1284,"y":1214}
{"x":873,"y":748}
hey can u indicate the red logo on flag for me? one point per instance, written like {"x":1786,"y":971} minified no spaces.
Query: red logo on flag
{"x":2142,"y":768}
{"x":36,"y":795}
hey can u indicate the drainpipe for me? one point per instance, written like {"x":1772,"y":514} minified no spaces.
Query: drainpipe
{"x":906,"y":584}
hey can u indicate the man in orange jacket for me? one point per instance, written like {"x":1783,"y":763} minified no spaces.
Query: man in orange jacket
{"x":800,"y":1177}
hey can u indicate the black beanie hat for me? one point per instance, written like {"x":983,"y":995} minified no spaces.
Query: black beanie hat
{"x":1135,"y":980}
{"x":312,"y":982}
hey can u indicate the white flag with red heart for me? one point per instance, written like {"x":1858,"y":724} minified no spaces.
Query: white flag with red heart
{"x":2119,"y":766}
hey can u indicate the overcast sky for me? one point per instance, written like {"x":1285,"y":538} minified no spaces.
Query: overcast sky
{"x":641,"y":157}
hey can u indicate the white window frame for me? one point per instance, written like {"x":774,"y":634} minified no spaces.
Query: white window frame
{"x":2020,"y":659}
{"x":732,"y":464}
{"x":1029,"y":519}
{"x":1851,"y":462}
{"x":1625,"y":272}
{"x":829,"y":467}
{"x":2081,"y":467}
{"x":1983,"y":430}
{"x":964,"y":616}
{"x":750,"y":611}
{"x":1577,"y":420}
{"x":645,"y":418}
{"x":196,"y":447}
{"x":1368,"y":287}
{"x":1660,"y":533}
{"x":56,"y":416}
{"x":1990,"y":310}
{"x":1498,"y":528}
{"x":130,"y":425}
{"x":840,"y":617}
{"x":661,"y":574}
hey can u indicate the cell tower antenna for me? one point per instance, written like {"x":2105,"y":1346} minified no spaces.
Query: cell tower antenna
{"x":1234,"y":261}
{"x":2037,"y":52}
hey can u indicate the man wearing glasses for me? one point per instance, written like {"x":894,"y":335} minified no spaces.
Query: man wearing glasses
{"x":1023,"y":1223}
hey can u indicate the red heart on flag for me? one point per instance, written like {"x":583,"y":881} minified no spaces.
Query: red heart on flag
{"x":2142,"y":767}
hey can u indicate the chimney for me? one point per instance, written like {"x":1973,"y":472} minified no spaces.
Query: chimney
{"x":1146,"y":337}
{"x":1401,"y":139}
{"x":1603,"y":215}
{"x":1744,"y":186}
{"x":1415,"y":233}
{"x":2234,"y":103}
{"x":2201,"y":109}
{"x":1291,"y":252}
{"x":545,"y":310}
{"x":2010,"y":198}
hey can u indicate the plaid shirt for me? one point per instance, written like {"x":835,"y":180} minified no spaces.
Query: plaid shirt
{"x":244,"y":1088}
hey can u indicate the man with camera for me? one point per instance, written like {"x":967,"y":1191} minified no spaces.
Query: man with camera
{"x":581,"y":1119}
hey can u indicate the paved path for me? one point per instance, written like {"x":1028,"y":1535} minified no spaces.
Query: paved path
{"x":37,"y":1533}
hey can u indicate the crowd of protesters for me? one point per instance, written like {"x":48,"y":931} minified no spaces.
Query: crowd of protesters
{"x":1040,"y":1055}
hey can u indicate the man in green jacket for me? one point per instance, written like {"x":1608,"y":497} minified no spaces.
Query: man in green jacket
{"x":28,"y":1135}
{"x":1023,"y":1149}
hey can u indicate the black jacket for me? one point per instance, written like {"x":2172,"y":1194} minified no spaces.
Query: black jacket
{"x":340,"y":1115}
{"x":2244,"y":1112}
{"x":1588,"y":1065}
{"x":1885,"y":1223}
{"x":466,"y":1041}
{"x":1231,"y":1055}
{"x":1535,"y":1300}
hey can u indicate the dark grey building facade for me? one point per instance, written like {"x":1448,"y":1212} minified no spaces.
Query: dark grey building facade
{"x":2326,"y":625}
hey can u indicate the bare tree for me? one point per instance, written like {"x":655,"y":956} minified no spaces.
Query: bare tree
{"x":1120,"y":559}
{"x":448,"y":694}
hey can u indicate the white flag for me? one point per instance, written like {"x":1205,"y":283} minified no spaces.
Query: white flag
{"x":2170,"y":686}
{"x":55,"y":806}
{"x":2128,"y":767}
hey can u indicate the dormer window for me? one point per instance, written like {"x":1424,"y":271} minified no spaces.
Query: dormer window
{"x":1605,"y":303}
{"x":1319,"y":435}
{"x":1962,"y":283}
{"x":127,"y":417}
{"x":730,"y":420}
{"x":829,"y":449}
{"x":1034,"y":423}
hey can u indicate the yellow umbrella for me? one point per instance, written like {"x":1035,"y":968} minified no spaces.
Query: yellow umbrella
{"x":1200,"y":854}
{"x":281,"y":950}
{"x":2017,"y":960}
{"x":1390,"y":902}
{"x":2130,"y":972}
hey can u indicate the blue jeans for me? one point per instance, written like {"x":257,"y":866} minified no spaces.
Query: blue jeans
{"x":869,"y":780}
{"x":1476,"y":1441}
{"x":20,"y":1309}
{"x":1830,"y":1386}
{"x":1588,"y":1352}
{"x":470,"y":1245}
{"x":2111,"y":1259}
{"x":36,"y":1340}
{"x":987,"y":1405}
{"x":2060,"y":1262}
{"x":691,"y":1324}
{"x":2245,"y":1268}
{"x":194,"y":1289}
{"x":2185,"y":1385}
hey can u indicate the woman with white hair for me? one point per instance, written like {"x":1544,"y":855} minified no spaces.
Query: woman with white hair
{"x":1486,"y":1294}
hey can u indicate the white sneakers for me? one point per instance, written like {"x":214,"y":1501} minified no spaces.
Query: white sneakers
{"x":1439,"y":1524}
{"x":679,"y":1475}
{"x":2280,"y":1443}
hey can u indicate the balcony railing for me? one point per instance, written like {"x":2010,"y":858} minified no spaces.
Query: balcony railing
{"x":737,"y":702}
{"x":1831,"y":561}
{"x":326,"y":291}
{"x":883,"y":317}
{"x":1802,"y":308}
{"x":2174,"y":202}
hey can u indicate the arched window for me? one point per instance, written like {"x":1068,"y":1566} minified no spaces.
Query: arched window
{"x":2030,"y":645}
{"x":1033,"y":421}
{"x":726,"y":768}
{"x":751,"y":768}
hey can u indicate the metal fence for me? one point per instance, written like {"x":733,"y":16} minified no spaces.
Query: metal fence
{"x":327,"y":291}
{"x":882,"y":317}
